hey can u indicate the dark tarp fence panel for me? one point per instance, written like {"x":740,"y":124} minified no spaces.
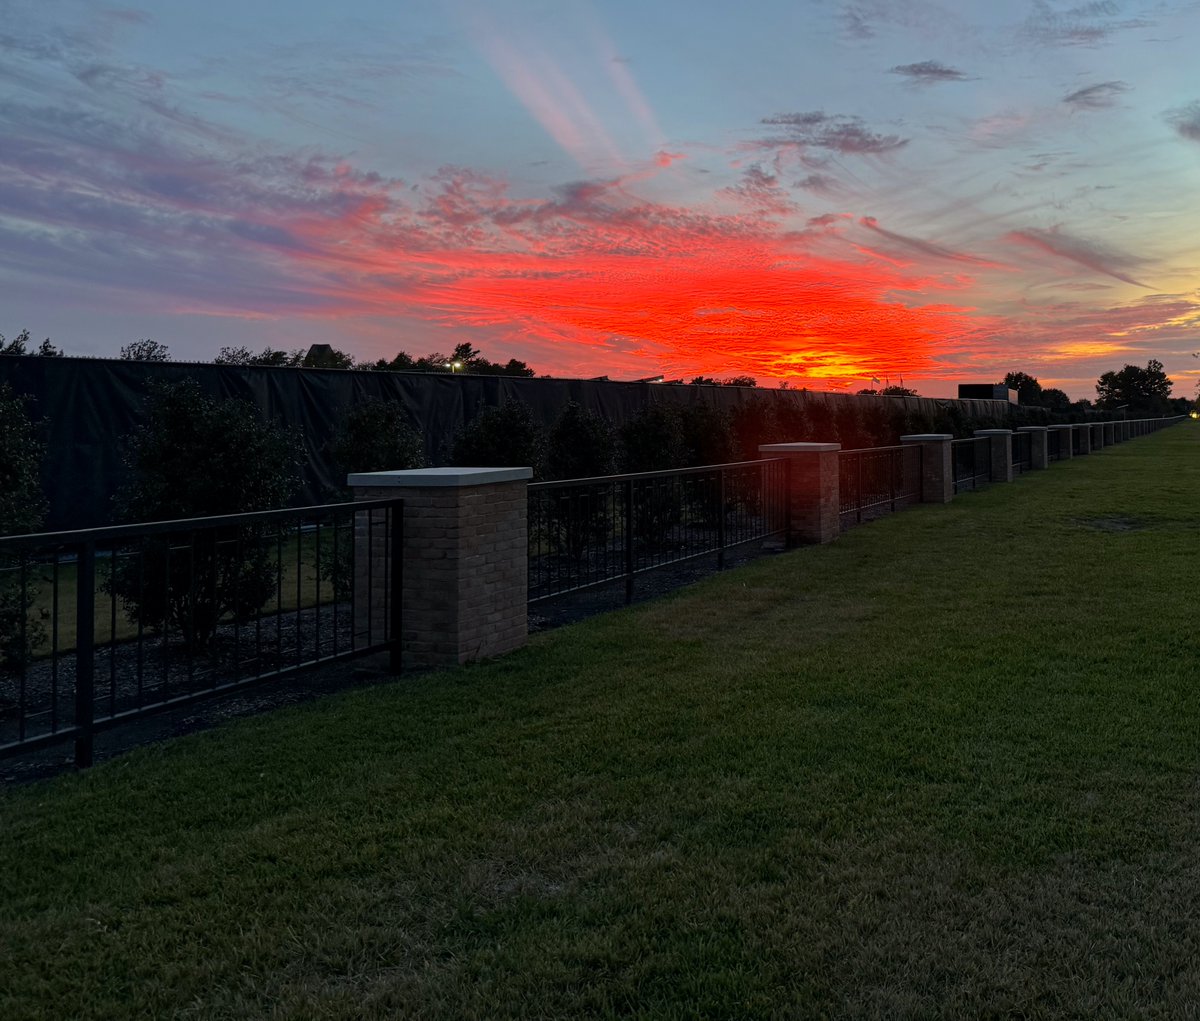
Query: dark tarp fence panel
{"x":87,"y":406}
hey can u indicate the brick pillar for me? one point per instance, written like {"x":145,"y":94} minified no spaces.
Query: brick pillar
{"x":1097,"y":436}
{"x":1001,"y":453}
{"x":814,"y":497}
{"x":1039,"y":436}
{"x":937,"y":466}
{"x":1085,"y":438}
{"x":1110,"y":434}
{"x":465,"y":561}
{"x":1065,"y":450}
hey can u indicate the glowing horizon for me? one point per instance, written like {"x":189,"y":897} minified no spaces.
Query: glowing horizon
{"x":934,"y":196}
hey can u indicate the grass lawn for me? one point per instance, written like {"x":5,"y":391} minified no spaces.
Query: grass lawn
{"x":944,"y":767}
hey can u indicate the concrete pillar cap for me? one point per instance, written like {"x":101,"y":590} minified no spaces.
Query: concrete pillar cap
{"x":439,"y":477}
{"x":1034,"y":428}
{"x":798,"y":448}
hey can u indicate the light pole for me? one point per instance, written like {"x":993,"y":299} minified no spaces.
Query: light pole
{"x":454,"y":366}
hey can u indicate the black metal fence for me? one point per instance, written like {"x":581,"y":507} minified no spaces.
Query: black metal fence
{"x":877,"y":481}
{"x":105,"y":625}
{"x":972,"y":460}
{"x":588,"y":532}
{"x":1022,"y":453}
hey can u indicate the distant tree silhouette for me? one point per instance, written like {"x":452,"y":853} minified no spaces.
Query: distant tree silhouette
{"x":146,"y":350}
{"x":1146,"y":391}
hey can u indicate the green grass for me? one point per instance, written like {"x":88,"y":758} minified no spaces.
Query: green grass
{"x":943,"y":767}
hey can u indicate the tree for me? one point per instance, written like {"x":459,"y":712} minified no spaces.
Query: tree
{"x":267,"y":356}
{"x":325,"y":356}
{"x":898,"y":391}
{"x":17,"y":346}
{"x":1055,"y":399}
{"x":1029,"y":390}
{"x":145,"y":350}
{"x":1145,"y":391}
{"x":704,"y":381}
{"x":741,"y":381}
{"x":195,"y":455}
{"x":21,"y":509}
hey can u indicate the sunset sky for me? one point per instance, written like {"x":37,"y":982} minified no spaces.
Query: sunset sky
{"x":821,"y":192}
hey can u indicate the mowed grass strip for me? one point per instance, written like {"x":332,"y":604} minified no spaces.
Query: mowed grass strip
{"x":943,"y":767}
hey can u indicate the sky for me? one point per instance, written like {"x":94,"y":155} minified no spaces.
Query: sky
{"x":816,"y":192}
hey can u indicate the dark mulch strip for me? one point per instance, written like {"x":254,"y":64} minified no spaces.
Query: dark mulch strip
{"x":338,"y":676}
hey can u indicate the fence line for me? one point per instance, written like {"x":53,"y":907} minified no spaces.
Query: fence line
{"x":589,"y":532}
{"x":116,"y":623}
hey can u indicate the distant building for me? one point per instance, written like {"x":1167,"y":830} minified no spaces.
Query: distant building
{"x":986,"y":392}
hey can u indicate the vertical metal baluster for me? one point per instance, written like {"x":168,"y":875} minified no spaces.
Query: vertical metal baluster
{"x":85,"y":622}
{"x":396,"y":616}
{"x":721,"y":519}
{"x":112,"y":631}
{"x":190,"y":644}
{"x":141,"y":628}
{"x":299,"y":587}
{"x":628,"y":541}
{"x":23,"y":653}
{"x":317,"y":584}
{"x":57,"y":554}
{"x":239,"y":558}
{"x":336,"y":576}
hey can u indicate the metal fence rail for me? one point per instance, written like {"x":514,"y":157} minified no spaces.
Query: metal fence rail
{"x":589,"y":532}
{"x":972,"y":460}
{"x":105,"y":625}
{"x":876,"y":481}
{"x":1022,"y":453}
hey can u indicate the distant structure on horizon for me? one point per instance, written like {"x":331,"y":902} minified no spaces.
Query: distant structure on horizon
{"x":986,"y":392}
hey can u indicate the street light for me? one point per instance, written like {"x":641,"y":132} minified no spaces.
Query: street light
{"x":455,"y":366}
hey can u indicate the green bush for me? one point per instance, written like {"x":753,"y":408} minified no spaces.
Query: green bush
{"x":581,"y":445}
{"x":500,"y":437}
{"x":21,"y":508}
{"x":372,"y":435}
{"x":653,"y":440}
{"x":375,"y":435}
{"x":707,"y":434}
{"x":195,"y":455}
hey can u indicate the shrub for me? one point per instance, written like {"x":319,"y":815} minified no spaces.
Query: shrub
{"x":707,"y":434}
{"x":375,"y":435}
{"x":195,"y":455}
{"x":581,"y":445}
{"x":21,"y":509}
{"x":372,"y":435}
{"x":653,"y":440}
{"x":500,"y":437}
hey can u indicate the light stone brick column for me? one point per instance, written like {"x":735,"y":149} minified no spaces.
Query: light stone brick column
{"x":814,"y":497}
{"x":1065,"y":450}
{"x":1001,"y":453}
{"x":464,"y":558}
{"x":1039,"y":438}
{"x":1110,"y":434}
{"x":1084,"y":432}
{"x":937,"y":466}
{"x":1097,"y":435}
